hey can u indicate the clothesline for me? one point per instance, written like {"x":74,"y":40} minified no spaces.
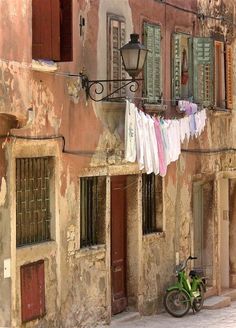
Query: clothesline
{"x":155,"y":142}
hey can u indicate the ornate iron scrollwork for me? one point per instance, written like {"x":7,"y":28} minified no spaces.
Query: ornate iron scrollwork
{"x":95,"y":88}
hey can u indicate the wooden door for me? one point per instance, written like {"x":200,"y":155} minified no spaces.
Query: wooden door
{"x":198,"y":224}
{"x":118,"y":244}
{"x":224,"y":231}
{"x":203,"y":233}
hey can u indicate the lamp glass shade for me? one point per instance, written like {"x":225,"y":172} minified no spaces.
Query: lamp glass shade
{"x":133,"y":56}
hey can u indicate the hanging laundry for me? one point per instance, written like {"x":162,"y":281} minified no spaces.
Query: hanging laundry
{"x":165,"y":139}
{"x":148,"y":163}
{"x":160,"y":146}
{"x":184,"y":129}
{"x":176,"y":139}
{"x":153,"y":145}
{"x":139,"y":140}
{"x":130,"y":135}
{"x":192,"y":124}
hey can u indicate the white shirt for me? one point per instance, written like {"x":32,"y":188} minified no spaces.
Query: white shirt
{"x":139,"y":141}
{"x":130,"y":128}
{"x":147,"y":150}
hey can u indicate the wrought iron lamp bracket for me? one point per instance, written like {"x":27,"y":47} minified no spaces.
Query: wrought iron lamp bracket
{"x":94,"y":89}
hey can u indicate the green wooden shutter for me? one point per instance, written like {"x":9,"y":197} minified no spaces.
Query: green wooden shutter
{"x":176,"y":67}
{"x":203,"y":52}
{"x":153,"y":85}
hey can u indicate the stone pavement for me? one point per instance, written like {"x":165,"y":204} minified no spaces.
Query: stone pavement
{"x":221,"y":318}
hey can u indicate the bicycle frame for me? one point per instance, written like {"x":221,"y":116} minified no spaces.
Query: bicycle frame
{"x":183,"y":283}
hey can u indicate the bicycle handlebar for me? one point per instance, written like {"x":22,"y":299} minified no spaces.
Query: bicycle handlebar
{"x":184,"y":263}
{"x":192,"y":257}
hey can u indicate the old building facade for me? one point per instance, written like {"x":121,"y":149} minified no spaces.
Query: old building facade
{"x":84,"y":233}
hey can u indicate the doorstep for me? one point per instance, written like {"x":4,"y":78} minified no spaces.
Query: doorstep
{"x":216,"y":302}
{"x":125,"y":316}
{"x":231,"y":292}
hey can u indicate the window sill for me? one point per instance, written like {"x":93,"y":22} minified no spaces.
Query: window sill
{"x":34,"y":252}
{"x":44,"y":66}
{"x":217,"y":111}
{"x":152,"y":237}
{"x":92,"y":251}
{"x":154,"y":108}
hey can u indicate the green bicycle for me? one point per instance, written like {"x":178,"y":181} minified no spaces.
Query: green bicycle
{"x":185,"y":293}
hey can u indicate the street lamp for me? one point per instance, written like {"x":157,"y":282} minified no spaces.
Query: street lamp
{"x":133,"y":56}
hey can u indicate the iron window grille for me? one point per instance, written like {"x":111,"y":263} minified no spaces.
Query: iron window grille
{"x":33,"y":215}
{"x":149,"y":204}
{"x":88,"y":211}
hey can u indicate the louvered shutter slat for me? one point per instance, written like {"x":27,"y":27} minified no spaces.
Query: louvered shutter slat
{"x":176,"y":67}
{"x":229,"y":77}
{"x":116,"y":70}
{"x":203,"y":70}
{"x":152,"y":40}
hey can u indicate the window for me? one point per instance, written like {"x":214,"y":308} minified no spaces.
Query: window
{"x":219,"y":75}
{"x":229,"y":76}
{"x":203,"y":75}
{"x":182,"y":75}
{"x":152,"y":85}
{"x":192,"y":69}
{"x":32,"y":291}
{"x":152,"y":203}
{"x":92,"y":211}
{"x":52,"y":30}
{"x":223,"y":76}
{"x":116,"y":39}
{"x":33,"y":216}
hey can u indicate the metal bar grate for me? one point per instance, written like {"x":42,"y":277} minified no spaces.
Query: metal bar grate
{"x":148,"y":203}
{"x":32,"y":200}
{"x":88,"y":211}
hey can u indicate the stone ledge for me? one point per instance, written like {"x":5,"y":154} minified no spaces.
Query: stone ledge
{"x":217,"y":302}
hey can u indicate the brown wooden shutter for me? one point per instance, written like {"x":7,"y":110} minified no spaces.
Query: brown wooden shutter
{"x":66,"y":31}
{"x":46,"y":29}
{"x":32,"y":291}
{"x":116,"y":38}
{"x":229,"y":77}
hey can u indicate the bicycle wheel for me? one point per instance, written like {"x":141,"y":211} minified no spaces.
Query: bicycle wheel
{"x":177,"y":302}
{"x":198,"y":301}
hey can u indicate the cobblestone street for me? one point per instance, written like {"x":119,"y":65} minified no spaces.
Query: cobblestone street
{"x":222,"y":318}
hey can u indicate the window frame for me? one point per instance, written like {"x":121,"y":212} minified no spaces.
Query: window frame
{"x":152,"y":204}
{"x":92,"y":235}
{"x":219,"y":76}
{"x":121,"y":73}
{"x":24,"y":235}
{"x":201,"y":52}
{"x":177,"y":64}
